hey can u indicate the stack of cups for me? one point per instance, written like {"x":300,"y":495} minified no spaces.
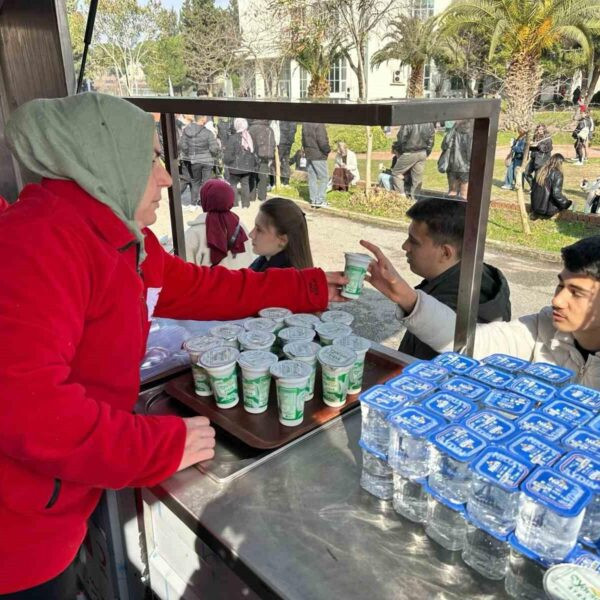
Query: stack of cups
{"x":355,"y":270}
{"x":331,"y":331}
{"x":336,"y":364}
{"x":291,"y":380}
{"x":305,"y":352}
{"x":361,"y":347}
{"x":195,"y":347}
{"x":220,"y":364}
{"x":492,"y":510}
{"x":228,"y":334}
{"x":256,"y":379}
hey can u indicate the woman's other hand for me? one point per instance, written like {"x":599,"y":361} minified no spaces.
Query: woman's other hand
{"x":199,"y":442}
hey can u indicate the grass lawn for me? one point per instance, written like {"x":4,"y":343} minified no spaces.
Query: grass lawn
{"x":503,"y":225}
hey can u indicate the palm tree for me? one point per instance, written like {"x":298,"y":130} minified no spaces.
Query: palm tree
{"x":317,"y":55}
{"x":526,"y":28}
{"x":413,"y":41}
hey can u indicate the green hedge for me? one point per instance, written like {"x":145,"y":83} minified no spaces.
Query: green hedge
{"x":355,"y":136}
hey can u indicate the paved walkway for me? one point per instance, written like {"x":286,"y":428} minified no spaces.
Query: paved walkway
{"x":532,"y":281}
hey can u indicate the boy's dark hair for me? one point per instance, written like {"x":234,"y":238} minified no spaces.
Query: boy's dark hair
{"x":583,"y":257}
{"x":444,"y":217}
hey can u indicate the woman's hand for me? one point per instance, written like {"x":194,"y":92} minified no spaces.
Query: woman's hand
{"x":335,"y":281}
{"x":384,"y":277}
{"x":199,"y":442}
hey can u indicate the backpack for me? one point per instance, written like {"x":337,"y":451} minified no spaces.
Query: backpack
{"x":265,"y":142}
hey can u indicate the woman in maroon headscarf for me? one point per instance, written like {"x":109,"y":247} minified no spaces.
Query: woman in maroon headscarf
{"x":216,"y":236}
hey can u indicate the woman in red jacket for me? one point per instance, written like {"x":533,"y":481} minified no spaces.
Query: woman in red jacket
{"x":82,"y":275}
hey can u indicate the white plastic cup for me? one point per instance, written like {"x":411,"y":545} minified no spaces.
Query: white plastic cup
{"x":195,"y":347}
{"x":331,"y":331}
{"x":220,"y":365}
{"x":256,"y":379}
{"x":302,"y":320}
{"x":361,"y":346}
{"x":291,"y":380}
{"x":296,"y":334}
{"x":227,"y":333}
{"x":275,"y":313}
{"x":305,"y":352}
{"x":262,"y":324}
{"x":355,"y":271}
{"x":256,"y":340}
{"x":337,"y":316}
{"x":336,"y":363}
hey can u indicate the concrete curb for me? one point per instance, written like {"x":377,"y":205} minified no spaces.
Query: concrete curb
{"x":523,"y":251}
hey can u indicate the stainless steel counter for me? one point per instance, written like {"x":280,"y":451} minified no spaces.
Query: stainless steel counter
{"x":298,"y":526}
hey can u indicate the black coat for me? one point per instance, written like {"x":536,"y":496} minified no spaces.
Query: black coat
{"x":548,"y":199}
{"x":224,"y":130}
{"x":315,"y":141}
{"x":198,"y":145}
{"x":263,"y":138}
{"x":494,"y":303}
{"x":287,"y":133}
{"x":238,"y":160}
{"x":540,"y":153}
{"x":417,"y":137}
{"x":278,"y":261}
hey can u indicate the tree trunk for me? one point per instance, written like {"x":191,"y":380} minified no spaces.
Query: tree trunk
{"x":415,"y":82}
{"x":593,"y":82}
{"x":277,"y":168}
{"x":519,"y":187}
{"x":522,"y":84}
{"x":318,"y":87}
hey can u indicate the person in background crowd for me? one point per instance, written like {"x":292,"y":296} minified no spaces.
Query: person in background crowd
{"x":413,"y":145}
{"x":218,"y":169}
{"x":385,"y":175}
{"x":345,"y":172}
{"x":565,"y":334}
{"x":576,"y":95}
{"x":299,"y":160}
{"x":547,"y":198}
{"x":198,"y":148}
{"x":540,"y":151}
{"x":581,"y":134}
{"x":514,"y":160}
{"x":433,"y":251}
{"x":216,"y":236}
{"x":287,"y":135}
{"x":315,"y":143}
{"x":455,"y":159}
{"x":240,"y":162}
{"x":274,"y":125}
{"x":280,"y":236}
{"x":224,"y":130}
{"x":264,"y":148}
{"x":82,"y":276}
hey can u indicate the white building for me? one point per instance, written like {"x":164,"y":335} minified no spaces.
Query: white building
{"x":389,"y":80}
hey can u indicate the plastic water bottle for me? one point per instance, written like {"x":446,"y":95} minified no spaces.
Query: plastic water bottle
{"x":456,"y":363}
{"x":410,"y":453}
{"x":413,"y":388}
{"x":556,"y":376}
{"x":524,"y":578}
{"x":585,"y":469}
{"x":445,"y":523}
{"x":510,"y":364}
{"x":376,"y":476}
{"x":448,"y":406}
{"x":376,"y":404}
{"x":457,"y":446}
{"x":494,"y":494}
{"x":584,"y":396}
{"x":568,"y":413}
{"x":410,"y":499}
{"x":550,"y":514}
{"x":485,"y":553}
{"x":466,"y":388}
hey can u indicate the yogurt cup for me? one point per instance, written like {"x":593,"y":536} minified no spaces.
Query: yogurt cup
{"x":195,"y":347}
{"x":330,"y":331}
{"x":355,"y":271}
{"x":336,"y":364}
{"x":337,"y":316}
{"x":256,"y":340}
{"x":302,"y":320}
{"x":275,"y":313}
{"x":295,"y":334}
{"x":291,"y":379}
{"x":220,"y":365}
{"x":361,"y":346}
{"x":228,"y":334}
{"x":256,"y":379}
{"x":262,"y":324}
{"x":305,"y":352}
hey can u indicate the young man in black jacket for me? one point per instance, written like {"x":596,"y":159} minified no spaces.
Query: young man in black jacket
{"x":433,"y":251}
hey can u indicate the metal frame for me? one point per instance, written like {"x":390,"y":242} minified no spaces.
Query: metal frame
{"x":485,"y":114}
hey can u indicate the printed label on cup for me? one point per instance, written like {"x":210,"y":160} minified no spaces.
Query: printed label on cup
{"x":201,"y":381}
{"x":335,"y":387}
{"x":356,"y":375}
{"x":256,"y":391}
{"x":225,"y":388}
{"x":356,"y":276}
{"x":291,"y":402}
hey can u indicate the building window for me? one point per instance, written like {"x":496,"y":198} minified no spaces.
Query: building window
{"x":337,"y":77}
{"x":427,"y":76}
{"x":303,"y":83}
{"x":285,"y":81}
{"x":422,"y":9}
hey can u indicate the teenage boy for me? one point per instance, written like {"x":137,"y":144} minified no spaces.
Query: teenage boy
{"x":567,"y":333}
{"x":433,"y":251}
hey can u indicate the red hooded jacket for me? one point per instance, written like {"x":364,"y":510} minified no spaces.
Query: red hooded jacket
{"x":74,"y":319}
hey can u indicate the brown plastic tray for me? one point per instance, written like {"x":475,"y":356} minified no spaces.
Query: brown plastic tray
{"x":264,"y":430}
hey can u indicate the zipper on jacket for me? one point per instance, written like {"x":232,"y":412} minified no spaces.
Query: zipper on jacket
{"x":55,"y":493}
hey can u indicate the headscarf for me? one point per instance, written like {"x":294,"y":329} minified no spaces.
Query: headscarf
{"x":102,"y":143}
{"x":216,"y":198}
{"x":241,"y":126}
